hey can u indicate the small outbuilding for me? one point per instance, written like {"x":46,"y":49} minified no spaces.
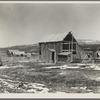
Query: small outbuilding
{"x":16,"y":53}
{"x":97,"y":55}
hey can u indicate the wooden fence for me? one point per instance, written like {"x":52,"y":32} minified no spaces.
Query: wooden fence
{"x":6,"y":58}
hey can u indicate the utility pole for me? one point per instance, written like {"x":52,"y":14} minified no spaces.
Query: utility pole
{"x":72,"y":45}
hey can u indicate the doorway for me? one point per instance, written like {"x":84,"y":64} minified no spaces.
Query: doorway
{"x":53,"y":57}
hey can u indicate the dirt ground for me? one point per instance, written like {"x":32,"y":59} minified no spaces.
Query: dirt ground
{"x":28,"y":77}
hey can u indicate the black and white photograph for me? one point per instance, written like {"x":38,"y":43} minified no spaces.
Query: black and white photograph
{"x":50,"y":48}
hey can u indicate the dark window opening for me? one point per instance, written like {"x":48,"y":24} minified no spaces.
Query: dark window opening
{"x":74,"y":52}
{"x":65,"y":46}
{"x":97,"y":55}
{"x":89,"y":56}
{"x":69,"y":46}
{"x":53,"y":56}
{"x":22,"y":55}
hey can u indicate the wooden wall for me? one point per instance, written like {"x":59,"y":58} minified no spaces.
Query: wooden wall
{"x":5,"y":58}
{"x":57,"y":46}
{"x":46,"y":53}
{"x":80,"y":54}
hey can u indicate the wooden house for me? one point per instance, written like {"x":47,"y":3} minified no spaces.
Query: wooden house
{"x":61,"y":48}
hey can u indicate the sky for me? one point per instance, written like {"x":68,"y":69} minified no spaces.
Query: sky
{"x":27,"y":23}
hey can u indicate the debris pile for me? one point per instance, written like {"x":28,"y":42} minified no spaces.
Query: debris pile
{"x":9,"y":86}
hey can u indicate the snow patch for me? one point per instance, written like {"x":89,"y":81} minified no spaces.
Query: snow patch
{"x":63,"y":67}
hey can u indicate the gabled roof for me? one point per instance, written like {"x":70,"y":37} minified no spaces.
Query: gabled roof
{"x":13,"y":51}
{"x":54,"y":37}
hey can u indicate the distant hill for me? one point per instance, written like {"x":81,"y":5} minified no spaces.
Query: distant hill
{"x":26,"y":48}
{"x":85,"y":44}
{"x":88,"y":41}
{"x":89,"y":44}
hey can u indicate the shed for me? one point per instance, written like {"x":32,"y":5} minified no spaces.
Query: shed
{"x":15,"y":53}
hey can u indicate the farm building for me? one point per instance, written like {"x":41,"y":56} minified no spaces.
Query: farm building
{"x":94,"y":54}
{"x":16,"y":53}
{"x":61,"y":48}
{"x":97,"y":56}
